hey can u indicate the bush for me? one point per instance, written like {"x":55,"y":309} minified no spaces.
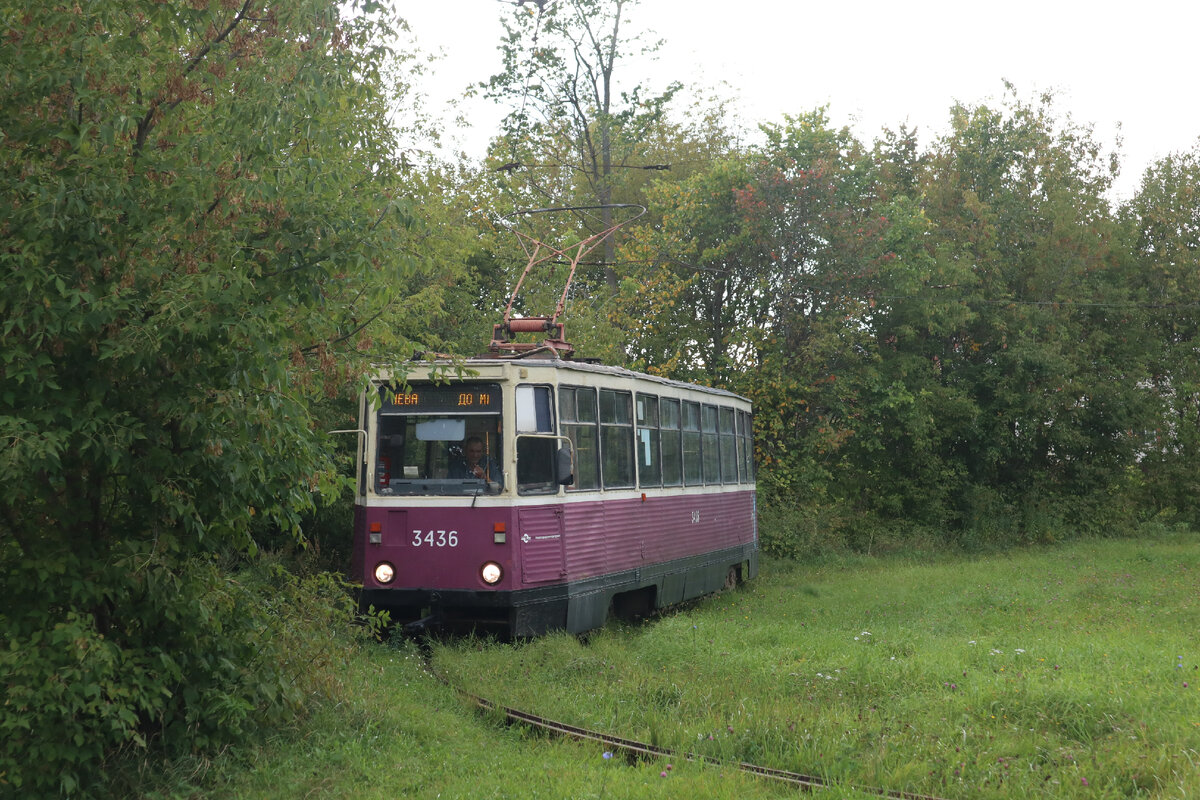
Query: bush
{"x":173,"y":662}
{"x":793,"y":531}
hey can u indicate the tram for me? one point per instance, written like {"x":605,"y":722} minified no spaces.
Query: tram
{"x":529,"y":491}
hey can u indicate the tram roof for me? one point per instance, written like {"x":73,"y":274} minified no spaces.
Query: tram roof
{"x":477,"y":363}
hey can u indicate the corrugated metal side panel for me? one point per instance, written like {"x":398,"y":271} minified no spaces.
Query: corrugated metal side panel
{"x":609,"y":536}
{"x":540,"y":532}
{"x":588,"y":540}
{"x":684,"y":526}
{"x":675,"y":533}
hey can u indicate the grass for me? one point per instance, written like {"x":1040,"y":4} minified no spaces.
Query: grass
{"x":399,"y":732}
{"x":1069,"y":671}
{"x":1066,"y":672}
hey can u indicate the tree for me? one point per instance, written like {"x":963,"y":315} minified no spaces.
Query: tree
{"x":1042,"y":355}
{"x":1164,"y":224}
{"x":692,"y":297}
{"x":943,"y":338}
{"x":571,"y":133}
{"x":757,"y":280}
{"x":204,"y":216}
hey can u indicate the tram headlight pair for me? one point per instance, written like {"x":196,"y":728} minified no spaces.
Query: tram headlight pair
{"x":491,"y":573}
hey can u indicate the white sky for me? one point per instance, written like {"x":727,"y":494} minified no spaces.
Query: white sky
{"x":1129,"y":69}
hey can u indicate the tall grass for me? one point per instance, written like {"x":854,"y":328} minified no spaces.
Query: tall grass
{"x":1070,"y":671}
{"x":402,"y":733}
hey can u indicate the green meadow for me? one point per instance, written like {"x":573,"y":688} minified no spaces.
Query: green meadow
{"x":1067,"y":671}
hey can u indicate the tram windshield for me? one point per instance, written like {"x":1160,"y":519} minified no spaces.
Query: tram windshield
{"x":438,"y":440}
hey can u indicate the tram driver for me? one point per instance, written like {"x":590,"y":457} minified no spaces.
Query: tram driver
{"x":476,"y":464}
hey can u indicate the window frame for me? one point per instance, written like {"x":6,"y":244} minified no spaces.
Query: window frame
{"x":648,"y":440}
{"x":587,"y":460}
{"x":618,"y":458}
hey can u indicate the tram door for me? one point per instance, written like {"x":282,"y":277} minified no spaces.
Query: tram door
{"x":540,"y":534}
{"x":541,"y":542}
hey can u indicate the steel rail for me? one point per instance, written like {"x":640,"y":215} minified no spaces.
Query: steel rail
{"x":635,"y":749}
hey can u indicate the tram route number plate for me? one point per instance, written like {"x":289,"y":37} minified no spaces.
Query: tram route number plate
{"x":435,"y":538}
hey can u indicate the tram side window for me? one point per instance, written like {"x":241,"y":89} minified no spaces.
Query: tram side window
{"x":672,"y":442}
{"x":729,"y":470}
{"x":747,"y":445}
{"x":693,"y":468}
{"x":616,"y":439}
{"x":577,"y":408}
{"x":649,"y":462}
{"x":740,"y":438}
{"x":712,"y":456}
{"x":535,"y":448}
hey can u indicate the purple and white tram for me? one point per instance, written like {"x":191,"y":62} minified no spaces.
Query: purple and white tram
{"x":536,"y":494}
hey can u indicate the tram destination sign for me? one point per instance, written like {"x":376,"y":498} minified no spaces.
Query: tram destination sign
{"x":463,"y":398}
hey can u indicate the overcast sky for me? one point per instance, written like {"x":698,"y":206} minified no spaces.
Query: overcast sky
{"x":1129,"y":69}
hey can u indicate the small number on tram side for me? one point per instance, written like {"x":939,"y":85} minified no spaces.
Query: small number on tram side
{"x":435,"y":538}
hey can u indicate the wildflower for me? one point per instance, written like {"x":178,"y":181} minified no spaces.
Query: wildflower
{"x":1019,"y":650}
{"x":1084,"y":781}
{"x":662,"y":774}
{"x":607,"y":755}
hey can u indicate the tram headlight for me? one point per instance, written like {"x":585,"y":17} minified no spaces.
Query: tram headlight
{"x":491,"y":573}
{"x":384,"y":572}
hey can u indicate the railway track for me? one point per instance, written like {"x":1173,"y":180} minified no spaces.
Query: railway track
{"x":634,"y":749}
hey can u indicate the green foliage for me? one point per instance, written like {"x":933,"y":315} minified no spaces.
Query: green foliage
{"x":199,"y":657}
{"x":787,"y":530}
{"x":691,"y":301}
{"x":574,"y":136}
{"x":929,"y":337}
{"x":204,"y":216}
{"x":1164,"y":237}
{"x":580,"y":133}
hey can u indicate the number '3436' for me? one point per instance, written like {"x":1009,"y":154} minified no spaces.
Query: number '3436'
{"x":435,"y":538}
